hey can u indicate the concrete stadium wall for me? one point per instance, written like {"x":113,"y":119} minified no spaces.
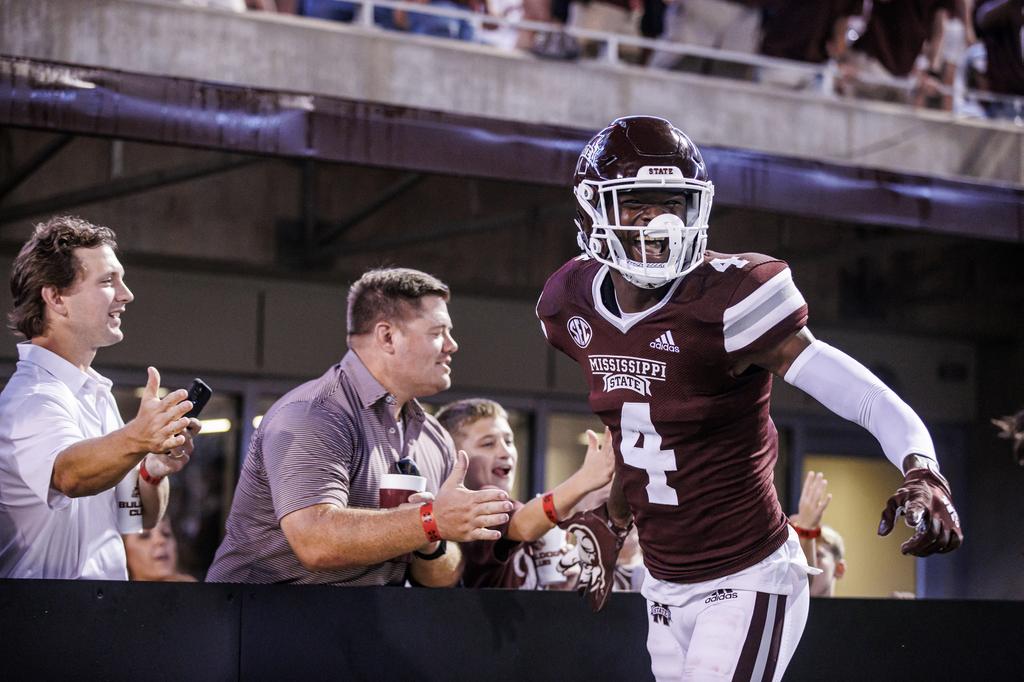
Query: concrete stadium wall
{"x":309,"y":56}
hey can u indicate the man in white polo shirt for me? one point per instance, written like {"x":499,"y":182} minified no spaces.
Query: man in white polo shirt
{"x":63,"y":445}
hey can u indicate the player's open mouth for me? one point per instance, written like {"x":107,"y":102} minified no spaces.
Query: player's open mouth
{"x":502,"y":471}
{"x":655,"y":249}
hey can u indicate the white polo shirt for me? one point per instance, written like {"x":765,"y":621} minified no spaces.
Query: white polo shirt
{"x":49,"y":405}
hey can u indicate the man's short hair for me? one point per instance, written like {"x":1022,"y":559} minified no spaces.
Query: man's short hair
{"x":48,"y":259}
{"x":461,"y":413}
{"x":833,"y":542}
{"x":389,"y":294}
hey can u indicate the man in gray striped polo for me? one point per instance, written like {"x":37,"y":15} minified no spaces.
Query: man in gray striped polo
{"x":306,"y":506}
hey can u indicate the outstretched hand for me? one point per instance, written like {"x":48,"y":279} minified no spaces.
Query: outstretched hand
{"x":814,"y":499}
{"x":1012,"y":428}
{"x":927,"y":505}
{"x":465,"y":515}
{"x":599,"y":462}
{"x":160,"y":423}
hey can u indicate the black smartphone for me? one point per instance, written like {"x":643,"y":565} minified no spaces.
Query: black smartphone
{"x":406,"y":466}
{"x":199,"y":394}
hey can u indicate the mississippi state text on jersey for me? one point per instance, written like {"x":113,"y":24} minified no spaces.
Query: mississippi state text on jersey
{"x":694,"y":446}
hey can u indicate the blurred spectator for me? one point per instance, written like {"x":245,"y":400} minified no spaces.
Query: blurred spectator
{"x":830,"y":558}
{"x":822,"y":545}
{"x":1012,"y":429}
{"x":153,"y":555}
{"x":610,"y":16}
{"x":897,"y":33}
{"x":504,"y":37}
{"x":337,"y":10}
{"x":1000,"y":25}
{"x":732,"y":25}
{"x":438,"y":26}
{"x":814,"y":499}
{"x":531,"y":10}
{"x":805,"y":31}
{"x":234,"y":5}
{"x":627,"y":17}
{"x":935,"y":86}
{"x":557,"y":44}
{"x":481,"y":428}
{"x":282,"y":6}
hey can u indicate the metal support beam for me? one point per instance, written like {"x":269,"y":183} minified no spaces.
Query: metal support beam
{"x":120,"y":188}
{"x":361,"y":213}
{"x":38,"y":160}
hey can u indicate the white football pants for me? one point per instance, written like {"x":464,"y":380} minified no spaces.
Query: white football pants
{"x":727,"y":634}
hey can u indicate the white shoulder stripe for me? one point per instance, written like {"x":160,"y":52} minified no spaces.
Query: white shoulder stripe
{"x":758,"y":296}
{"x":791,"y":302}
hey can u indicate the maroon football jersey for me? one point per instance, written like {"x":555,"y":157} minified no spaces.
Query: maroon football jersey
{"x":499,"y":563}
{"x":694,"y":446}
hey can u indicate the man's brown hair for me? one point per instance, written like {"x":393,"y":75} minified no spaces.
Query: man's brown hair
{"x":455,"y":416}
{"x":389,"y":294}
{"x":48,"y":259}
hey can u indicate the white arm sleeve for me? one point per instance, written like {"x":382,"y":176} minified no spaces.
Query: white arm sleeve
{"x":849,"y":389}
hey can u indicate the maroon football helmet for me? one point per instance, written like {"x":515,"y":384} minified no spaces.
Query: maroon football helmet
{"x":643,"y":153}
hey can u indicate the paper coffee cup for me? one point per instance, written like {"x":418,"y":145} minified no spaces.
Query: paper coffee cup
{"x":129,"y":504}
{"x":546,"y":553}
{"x":395,"y":489}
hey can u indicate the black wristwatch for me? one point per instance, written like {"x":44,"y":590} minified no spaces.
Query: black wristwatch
{"x":442,"y":547}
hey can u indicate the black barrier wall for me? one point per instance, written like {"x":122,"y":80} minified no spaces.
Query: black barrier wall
{"x":69,"y":630}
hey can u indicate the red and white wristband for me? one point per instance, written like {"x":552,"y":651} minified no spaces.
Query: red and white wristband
{"x":429,"y":522}
{"x":148,"y":477}
{"x":548,"y":502}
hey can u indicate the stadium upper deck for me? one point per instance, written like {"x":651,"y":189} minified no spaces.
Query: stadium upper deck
{"x":295,"y":54}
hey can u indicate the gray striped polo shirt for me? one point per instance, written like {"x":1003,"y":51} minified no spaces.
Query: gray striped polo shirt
{"x":327,"y":441}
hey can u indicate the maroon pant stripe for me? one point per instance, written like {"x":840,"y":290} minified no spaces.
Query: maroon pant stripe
{"x":748,"y":656}
{"x":773,"y":652}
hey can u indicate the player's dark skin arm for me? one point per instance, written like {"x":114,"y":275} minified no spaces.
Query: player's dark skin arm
{"x":618,"y":508}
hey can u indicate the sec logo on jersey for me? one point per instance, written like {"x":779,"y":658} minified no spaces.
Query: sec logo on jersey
{"x":580,"y":331}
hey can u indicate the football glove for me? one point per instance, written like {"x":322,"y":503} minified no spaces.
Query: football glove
{"x":925,"y":500}
{"x":598,"y":542}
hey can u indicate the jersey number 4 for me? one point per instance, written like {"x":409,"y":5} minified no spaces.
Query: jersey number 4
{"x":641,"y":448}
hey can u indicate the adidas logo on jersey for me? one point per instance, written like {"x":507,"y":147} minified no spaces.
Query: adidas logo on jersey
{"x":665,"y":342}
{"x":721,"y":595}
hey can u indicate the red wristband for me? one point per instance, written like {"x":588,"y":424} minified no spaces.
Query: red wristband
{"x":806,"y":533}
{"x":549,"y":507}
{"x":148,"y":477}
{"x":429,"y":522}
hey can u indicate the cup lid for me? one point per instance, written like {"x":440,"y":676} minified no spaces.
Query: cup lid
{"x":416,"y":484}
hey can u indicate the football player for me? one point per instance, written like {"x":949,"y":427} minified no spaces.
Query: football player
{"x":679,"y":345}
